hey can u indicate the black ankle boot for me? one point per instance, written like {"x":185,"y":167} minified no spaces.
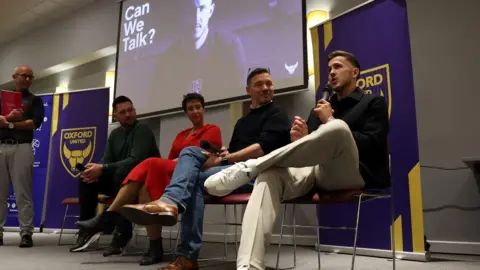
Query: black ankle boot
{"x":154,"y":254}
{"x":100,"y":223}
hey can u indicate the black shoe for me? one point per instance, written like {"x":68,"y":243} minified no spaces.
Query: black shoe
{"x":100,"y":223}
{"x":26,"y":242}
{"x":118,"y":244}
{"x":84,"y":240}
{"x":154,"y":254}
{"x":1,"y":241}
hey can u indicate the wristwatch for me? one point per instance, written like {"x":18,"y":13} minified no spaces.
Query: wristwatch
{"x":224,"y":162}
{"x":11,"y":125}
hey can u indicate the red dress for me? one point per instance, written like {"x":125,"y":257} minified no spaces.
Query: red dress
{"x":155,"y":173}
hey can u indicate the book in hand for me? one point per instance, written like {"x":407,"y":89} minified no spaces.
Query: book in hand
{"x":11,"y":101}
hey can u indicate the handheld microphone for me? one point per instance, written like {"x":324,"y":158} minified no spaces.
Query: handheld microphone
{"x":80,"y":167}
{"x":208,"y":146}
{"x":327,"y":92}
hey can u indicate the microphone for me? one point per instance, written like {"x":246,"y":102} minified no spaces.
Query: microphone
{"x":208,"y":146}
{"x":80,"y":167}
{"x":327,"y":92}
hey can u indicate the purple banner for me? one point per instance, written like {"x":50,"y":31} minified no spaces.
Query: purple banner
{"x":79,"y":135}
{"x":377,"y":34}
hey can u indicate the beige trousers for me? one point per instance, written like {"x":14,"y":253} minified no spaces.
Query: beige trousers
{"x":328,"y":158}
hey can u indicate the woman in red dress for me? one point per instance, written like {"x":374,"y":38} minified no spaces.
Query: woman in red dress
{"x":147,"y":181}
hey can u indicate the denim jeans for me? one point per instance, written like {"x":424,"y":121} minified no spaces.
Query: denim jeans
{"x":186,"y":188}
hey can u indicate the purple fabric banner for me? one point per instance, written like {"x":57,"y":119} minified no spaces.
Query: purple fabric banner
{"x":377,"y":34}
{"x":79,"y":135}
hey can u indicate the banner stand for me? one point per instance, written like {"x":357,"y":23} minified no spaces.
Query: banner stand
{"x":78,"y":135}
{"x":380,"y":40}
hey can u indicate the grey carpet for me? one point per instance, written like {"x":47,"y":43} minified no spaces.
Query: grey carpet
{"x":46,"y":255}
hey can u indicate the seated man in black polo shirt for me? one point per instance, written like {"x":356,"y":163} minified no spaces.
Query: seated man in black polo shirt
{"x":16,"y":156}
{"x":345,"y":153}
{"x":264,"y":129}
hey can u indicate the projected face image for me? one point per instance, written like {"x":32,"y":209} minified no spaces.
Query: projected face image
{"x":208,"y":47}
{"x":204,"y":11}
{"x":261,"y":89}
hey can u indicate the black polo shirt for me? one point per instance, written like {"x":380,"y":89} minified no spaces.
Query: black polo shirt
{"x":33,"y":110}
{"x":367,"y":118}
{"x":268,"y":125}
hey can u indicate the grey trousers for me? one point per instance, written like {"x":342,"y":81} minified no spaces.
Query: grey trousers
{"x":16,"y":167}
{"x":327,"y":158}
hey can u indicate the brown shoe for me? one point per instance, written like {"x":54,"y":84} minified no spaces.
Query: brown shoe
{"x":181,"y":263}
{"x":152,"y":213}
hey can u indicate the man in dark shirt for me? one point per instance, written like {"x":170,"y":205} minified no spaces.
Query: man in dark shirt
{"x":16,"y":156}
{"x":127,"y":146}
{"x":337,"y":154}
{"x":264,"y":129}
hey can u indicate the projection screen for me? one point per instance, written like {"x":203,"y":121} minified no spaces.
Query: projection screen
{"x":167,"y":48}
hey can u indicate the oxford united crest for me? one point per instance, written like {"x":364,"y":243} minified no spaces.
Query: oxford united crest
{"x":376,"y":81}
{"x":77,"y":145}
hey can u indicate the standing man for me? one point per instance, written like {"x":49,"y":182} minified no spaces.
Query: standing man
{"x":127,"y":146}
{"x":16,"y":155}
{"x":264,"y":129}
{"x":343,"y":145}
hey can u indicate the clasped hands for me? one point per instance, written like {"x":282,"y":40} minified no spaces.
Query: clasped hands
{"x":13,"y":116}
{"x":299,"y":126}
{"x":91,"y":174}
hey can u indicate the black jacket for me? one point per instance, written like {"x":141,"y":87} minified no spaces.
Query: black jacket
{"x":367,"y":117}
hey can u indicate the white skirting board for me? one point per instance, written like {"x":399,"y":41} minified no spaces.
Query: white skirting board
{"x":471,"y":248}
{"x":306,"y":240}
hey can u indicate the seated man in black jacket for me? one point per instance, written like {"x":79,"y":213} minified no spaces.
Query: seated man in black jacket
{"x":127,"y":146}
{"x":343,"y":145}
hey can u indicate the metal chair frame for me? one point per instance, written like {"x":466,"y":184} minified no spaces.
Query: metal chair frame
{"x":363,"y":197}
{"x":225,"y":224}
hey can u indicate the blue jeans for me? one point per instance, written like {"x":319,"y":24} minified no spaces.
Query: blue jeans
{"x":186,"y":188}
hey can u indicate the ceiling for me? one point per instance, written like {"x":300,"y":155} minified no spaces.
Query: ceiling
{"x":21,"y":17}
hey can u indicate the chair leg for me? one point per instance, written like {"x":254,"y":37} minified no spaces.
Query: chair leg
{"x":236,"y":222}
{"x":356,"y":231}
{"x":174,"y":250}
{"x":294,"y":237}
{"x":225,"y":234}
{"x":281,"y":235}
{"x":318,"y":242}
{"x":392,"y":215}
{"x":63,"y":225}
{"x":170,"y":239}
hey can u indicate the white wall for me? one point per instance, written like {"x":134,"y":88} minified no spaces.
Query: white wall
{"x":445,"y":38}
{"x":79,"y":35}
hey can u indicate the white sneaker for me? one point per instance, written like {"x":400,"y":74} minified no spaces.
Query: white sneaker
{"x":226,"y":181}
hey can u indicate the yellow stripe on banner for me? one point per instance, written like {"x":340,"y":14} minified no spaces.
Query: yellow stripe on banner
{"x":56,"y":105}
{"x":316,"y":56}
{"x":65,"y":101}
{"x":327,"y":34}
{"x":398,"y":234}
{"x":416,"y":209}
